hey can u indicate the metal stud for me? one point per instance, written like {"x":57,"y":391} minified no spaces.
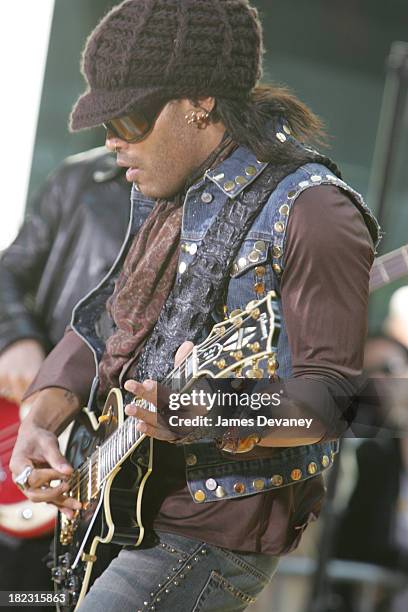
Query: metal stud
{"x":330,"y":177}
{"x":229,"y":186}
{"x":279,"y":227}
{"x":276,"y":268}
{"x":291,"y":194}
{"x":250,"y":171}
{"x":203,"y":551}
{"x":239,"y":487}
{"x":193,"y":249}
{"x":296,"y":474}
{"x":277,"y":480}
{"x":207,"y":197}
{"x":284,"y":210}
{"x":220,"y":492}
{"x":191,"y":460}
{"x":185,"y":247}
{"x":286,"y":129}
{"x":259,"y":484}
{"x":316,"y":178}
{"x":281,"y":136}
{"x":303,"y":184}
{"x":325,"y":461}
{"x":235,"y":268}
{"x":211,"y":484}
{"x":259,"y":288}
{"x":260,"y":270}
{"x":312,"y":468}
{"x":260,"y":246}
{"x":254,"y":256}
{"x":182,"y":267}
{"x":199,"y":496}
{"x":242,"y":262}
{"x":241,"y":180}
{"x":277,"y":251}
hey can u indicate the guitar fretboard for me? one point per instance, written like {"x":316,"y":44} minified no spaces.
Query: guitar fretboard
{"x":388,"y":268}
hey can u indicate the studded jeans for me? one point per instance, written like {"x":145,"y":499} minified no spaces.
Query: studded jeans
{"x":180,"y":574}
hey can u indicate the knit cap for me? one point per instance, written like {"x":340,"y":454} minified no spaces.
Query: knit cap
{"x":145,"y":49}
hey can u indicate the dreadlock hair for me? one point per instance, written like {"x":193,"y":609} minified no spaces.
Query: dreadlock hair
{"x":246,"y":122}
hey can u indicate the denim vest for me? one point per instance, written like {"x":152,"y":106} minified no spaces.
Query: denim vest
{"x":213,"y":474}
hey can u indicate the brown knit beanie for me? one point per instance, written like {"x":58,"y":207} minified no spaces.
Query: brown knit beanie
{"x":144,"y":49}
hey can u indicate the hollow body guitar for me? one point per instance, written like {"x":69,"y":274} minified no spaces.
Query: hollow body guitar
{"x":112,"y":461}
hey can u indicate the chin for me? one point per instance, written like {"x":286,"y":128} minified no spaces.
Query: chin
{"x":154,"y":192}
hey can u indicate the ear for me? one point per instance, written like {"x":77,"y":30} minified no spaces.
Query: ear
{"x":206,"y":103}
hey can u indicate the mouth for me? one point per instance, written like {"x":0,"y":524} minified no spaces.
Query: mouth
{"x":132,"y":170}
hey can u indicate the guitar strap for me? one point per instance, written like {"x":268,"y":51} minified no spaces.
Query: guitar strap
{"x":195,"y":294}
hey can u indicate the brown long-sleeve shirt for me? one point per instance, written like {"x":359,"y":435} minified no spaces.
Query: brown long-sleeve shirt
{"x":324,"y":291}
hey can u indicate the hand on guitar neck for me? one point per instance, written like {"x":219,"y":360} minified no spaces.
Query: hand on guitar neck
{"x":50,"y":411}
{"x":19,"y":365}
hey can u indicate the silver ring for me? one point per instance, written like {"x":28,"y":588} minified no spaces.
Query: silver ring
{"x":22,"y":479}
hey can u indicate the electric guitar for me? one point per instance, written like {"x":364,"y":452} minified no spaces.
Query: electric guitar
{"x":113,"y":461}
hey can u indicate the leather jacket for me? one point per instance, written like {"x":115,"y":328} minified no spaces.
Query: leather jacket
{"x":65,"y":246}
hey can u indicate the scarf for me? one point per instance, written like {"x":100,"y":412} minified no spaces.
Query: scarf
{"x":146,"y":279}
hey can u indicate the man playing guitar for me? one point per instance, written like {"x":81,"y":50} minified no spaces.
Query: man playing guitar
{"x":228,"y":205}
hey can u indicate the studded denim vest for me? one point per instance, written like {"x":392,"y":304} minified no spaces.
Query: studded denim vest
{"x":213,"y":474}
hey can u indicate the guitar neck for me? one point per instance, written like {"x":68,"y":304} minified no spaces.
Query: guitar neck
{"x":388,"y":268}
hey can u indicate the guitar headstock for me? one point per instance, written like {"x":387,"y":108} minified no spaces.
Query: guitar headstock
{"x":243,"y":346}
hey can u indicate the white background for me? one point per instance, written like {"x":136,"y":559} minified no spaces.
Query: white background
{"x":23,"y":49}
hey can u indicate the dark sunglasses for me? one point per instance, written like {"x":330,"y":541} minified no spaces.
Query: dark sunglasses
{"x":135,"y":126}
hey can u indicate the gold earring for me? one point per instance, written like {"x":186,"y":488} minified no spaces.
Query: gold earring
{"x":199,"y":118}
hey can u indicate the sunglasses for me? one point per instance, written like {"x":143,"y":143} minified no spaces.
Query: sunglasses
{"x":135,"y":126}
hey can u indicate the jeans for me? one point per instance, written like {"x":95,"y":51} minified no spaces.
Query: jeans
{"x":180,"y":574}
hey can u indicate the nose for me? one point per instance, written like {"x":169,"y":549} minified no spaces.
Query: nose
{"x":113,"y":143}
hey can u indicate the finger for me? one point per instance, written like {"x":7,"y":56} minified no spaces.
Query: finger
{"x":156,"y":432}
{"x":39,"y":477}
{"x":55,"y":458}
{"x":47,"y":495}
{"x":182,"y":352}
{"x":150,"y":391}
{"x":145,"y":415}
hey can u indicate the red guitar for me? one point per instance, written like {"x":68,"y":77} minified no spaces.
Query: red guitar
{"x":18,"y":516}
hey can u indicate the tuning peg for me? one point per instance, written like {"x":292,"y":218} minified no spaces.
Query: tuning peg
{"x":237,"y":355}
{"x":255,"y":373}
{"x":255,"y":347}
{"x":255,"y":314}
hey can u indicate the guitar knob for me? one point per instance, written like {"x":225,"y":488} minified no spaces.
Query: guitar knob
{"x":104,"y":418}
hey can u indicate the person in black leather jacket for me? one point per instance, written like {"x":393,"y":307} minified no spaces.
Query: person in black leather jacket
{"x":65,"y":246}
